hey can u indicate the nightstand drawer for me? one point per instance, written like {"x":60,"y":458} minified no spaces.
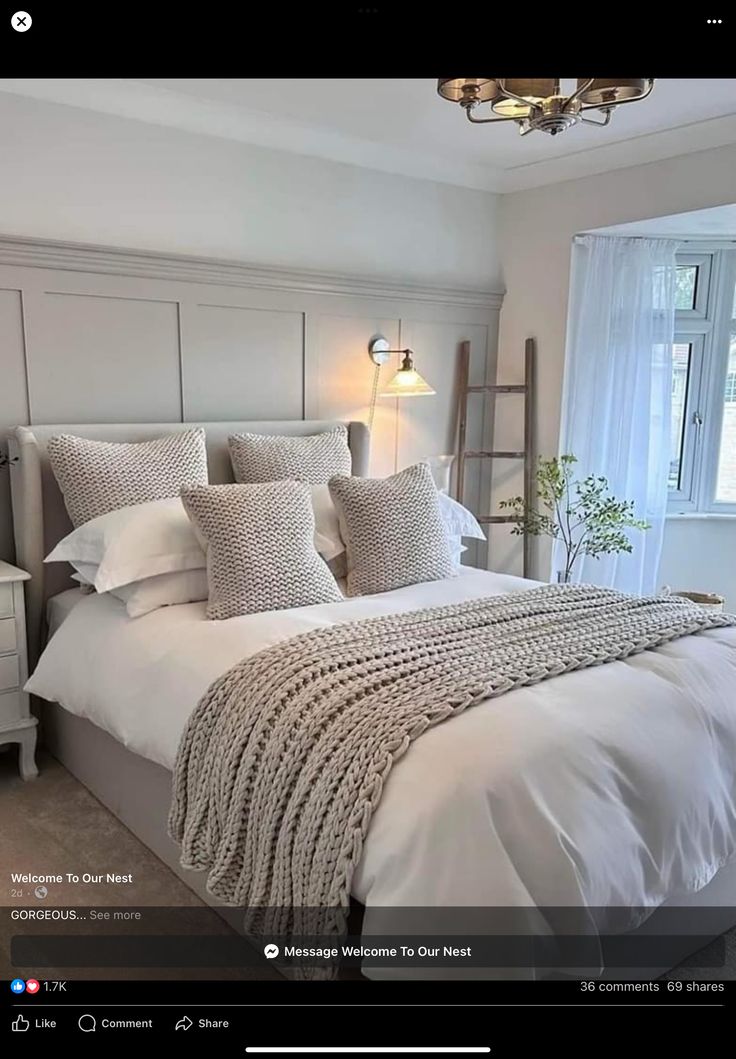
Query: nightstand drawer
{"x":12,"y":708}
{"x":6,"y":600}
{"x":9,"y":672}
{"x":8,"y":638}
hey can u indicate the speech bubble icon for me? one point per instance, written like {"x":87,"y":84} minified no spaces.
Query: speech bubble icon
{"x":87,"y":1023}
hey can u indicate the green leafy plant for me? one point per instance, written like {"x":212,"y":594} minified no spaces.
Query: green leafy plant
{"x":579,"y":512}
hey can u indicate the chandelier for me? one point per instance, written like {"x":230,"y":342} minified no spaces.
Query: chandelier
{"x":538,"y":103}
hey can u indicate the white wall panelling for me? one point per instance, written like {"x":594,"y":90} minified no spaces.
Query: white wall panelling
{"x":342,"y":384}
{"x":98,"y":335}
{"x":108,"y":353}
{"x":219,"y":382}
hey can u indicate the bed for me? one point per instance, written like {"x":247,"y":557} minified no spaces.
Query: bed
{"x":612,"y":786}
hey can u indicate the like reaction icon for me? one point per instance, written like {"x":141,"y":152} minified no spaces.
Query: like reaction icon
{"x":19,"y":1025}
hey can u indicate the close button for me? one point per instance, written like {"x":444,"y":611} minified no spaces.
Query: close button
{"x":21,"y":21}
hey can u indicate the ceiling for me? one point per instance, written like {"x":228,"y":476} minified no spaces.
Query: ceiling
{"x":717,"y":222}
{"x":402,"y":126}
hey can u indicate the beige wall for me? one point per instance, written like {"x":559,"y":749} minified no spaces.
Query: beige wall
{"x":536,"y":231}
{"x":80,"y":176}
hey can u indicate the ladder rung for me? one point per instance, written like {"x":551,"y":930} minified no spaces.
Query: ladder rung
{"x":485,"y":519}
{"x":495,"y":388}
{"x":480,"y":455}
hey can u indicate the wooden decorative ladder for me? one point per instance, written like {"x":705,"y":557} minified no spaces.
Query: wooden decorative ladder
{"x":527,"y":389}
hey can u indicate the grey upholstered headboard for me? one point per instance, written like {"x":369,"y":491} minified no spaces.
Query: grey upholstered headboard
{"x":40,"y":519}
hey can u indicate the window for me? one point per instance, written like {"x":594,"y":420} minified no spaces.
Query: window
{"x":702,"y":476}
{"x":684,"y":368}
{"x":726,"y":478}
{"x":731,"y":380}
{"x":687,"y":286}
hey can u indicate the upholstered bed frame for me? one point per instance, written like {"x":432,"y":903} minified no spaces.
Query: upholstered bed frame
{"x":136,"y":790}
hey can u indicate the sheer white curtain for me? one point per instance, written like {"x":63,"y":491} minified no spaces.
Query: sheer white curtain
{"x":618,"y":388}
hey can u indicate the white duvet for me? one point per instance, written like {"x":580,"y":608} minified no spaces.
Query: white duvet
{"x":615,"y":785}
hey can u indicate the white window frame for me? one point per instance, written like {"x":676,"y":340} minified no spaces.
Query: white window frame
{"x":708,"y":327}
{"x":703,"y":262}
{"x":685,"y":497}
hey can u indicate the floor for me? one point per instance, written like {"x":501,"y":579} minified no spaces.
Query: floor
{"x":53,"y":825}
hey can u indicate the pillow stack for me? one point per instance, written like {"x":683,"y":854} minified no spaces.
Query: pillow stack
{"x":150,"y":530}
{"x":147,"y":555}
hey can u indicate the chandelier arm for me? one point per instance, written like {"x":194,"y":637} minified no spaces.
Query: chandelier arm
{"x":608,"y":114}
{"x":489,"y":121}
{"x":578,"y":92}
{"x":623,"y":102}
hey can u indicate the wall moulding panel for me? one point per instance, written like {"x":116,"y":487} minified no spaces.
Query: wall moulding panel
{"x":96,"y":334}
{"x":81,"y":257}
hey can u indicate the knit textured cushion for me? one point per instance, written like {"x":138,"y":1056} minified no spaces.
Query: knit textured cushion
{"x":393,"y":530}
{"x":260,"y":547}
{"x":314,"y":458}
{"x":96,"y":477}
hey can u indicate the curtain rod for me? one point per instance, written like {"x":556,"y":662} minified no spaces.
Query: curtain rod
{"x":731,"y":240}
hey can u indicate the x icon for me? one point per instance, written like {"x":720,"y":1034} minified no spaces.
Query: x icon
{"x":21,"y":21}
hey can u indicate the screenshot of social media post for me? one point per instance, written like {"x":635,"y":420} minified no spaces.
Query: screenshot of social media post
{"x":367,"y":531}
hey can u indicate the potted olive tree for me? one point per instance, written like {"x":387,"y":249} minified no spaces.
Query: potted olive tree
{"x":579,"y":512}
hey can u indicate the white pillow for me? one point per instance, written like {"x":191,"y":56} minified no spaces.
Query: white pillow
{"x":133,"y":543}
{"x":147,"y":540}
{"x":162,"y":590}
{"x":327,"y":539}
{"x":459,"y":522}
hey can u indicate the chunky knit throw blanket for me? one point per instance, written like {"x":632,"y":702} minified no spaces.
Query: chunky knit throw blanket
{"x":283,"y":762}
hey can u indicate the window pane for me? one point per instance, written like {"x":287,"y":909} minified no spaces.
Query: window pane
{"x":686,"y":284}
{"x":726,"y":482}
{"x":680,"y":377}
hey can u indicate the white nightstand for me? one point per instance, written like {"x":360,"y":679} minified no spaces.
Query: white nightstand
{"x":16,"y":723}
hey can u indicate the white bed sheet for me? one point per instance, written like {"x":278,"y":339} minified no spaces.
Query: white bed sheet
{"x":60,"y":606}
{"x":615,"y":785}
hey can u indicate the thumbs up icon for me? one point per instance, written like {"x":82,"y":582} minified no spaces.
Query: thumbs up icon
{"x":19,"y":1025}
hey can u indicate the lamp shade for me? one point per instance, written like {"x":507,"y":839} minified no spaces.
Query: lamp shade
{"x":532,"y":89}
{"x":467,"y":89}
{"x":607,"y":91}
{"x":407,"y":382}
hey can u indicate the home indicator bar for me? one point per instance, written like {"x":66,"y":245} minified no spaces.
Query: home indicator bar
{"x":367,"y":1050}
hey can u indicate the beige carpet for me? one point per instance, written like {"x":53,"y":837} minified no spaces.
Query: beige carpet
{"x":53,"y":825}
